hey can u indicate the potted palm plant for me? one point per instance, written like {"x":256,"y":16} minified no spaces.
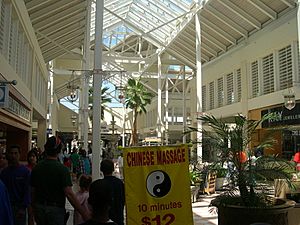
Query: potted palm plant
{"x":246,"y":199}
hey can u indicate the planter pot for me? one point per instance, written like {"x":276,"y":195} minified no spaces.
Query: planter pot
{"x":294,"y":215}
{"x":220,"y":182}
{"x":237,"y":215}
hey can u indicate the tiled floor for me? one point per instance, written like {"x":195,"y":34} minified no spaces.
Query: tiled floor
{"x":201,"y":211}
{"x":204,"y":215}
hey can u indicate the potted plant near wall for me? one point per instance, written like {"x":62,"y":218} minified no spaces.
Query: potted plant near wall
{"x":221,"y":176}
{"x":246,"y":200}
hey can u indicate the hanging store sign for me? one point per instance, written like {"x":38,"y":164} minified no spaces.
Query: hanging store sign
{"x":157,"y":185}
{"x":18,"y":109}
{"x":284,"y":116}
{"x":4,"y":96}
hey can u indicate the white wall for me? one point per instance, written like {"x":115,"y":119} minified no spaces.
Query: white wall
{"x":274,"y":37}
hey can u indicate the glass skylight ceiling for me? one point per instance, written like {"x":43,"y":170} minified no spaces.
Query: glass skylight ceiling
{"x":113,"y":37}
{"x":155,"y":19}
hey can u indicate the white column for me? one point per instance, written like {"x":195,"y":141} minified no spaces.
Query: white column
{"x":139,"y":52}
{"x":298,"y":29}
{"x":296,"y":55}
{"x":184,"y":104}
{"x":42,"y":132}
{"x":85,"y":87}
{"x":80,"y":110}
{"x":97,"y":83}
{"x":199,"y":81}
{"x":123,"y":125}
{"x":159,"y":128}
{"x":193,"y":105}
{"x":296,"y":69}
{"x":276,"y":70}
{"x":51,"y":105}
{"x":295,"y":59}
{"x":167,"y":110}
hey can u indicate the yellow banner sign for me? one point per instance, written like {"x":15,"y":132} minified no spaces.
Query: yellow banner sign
{"x":157,"y":185}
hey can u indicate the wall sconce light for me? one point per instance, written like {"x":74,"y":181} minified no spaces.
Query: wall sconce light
{"x":188,"y":120}
{"x":121,"y":89}
{"x":152,"y":131}
{"x":289,"y":99}
{"x":4,"y":82}
{"x":73,"y":119}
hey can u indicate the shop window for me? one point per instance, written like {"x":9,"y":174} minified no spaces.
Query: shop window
{"x":290,"y":143}
{"x":211,"y":95}
{"x":239,"y":84}
{"x":220,"y":87}
{"x":230,"y":90}
{"x":285,"y":68}
{"x":2,"y":32}
{"x":29,"y":58}
{"x":19,"y":53}
{"x":268,"y":74}
{"x":12,"y":43}
{"x":204,"y":98}
{"x":254,"y":79}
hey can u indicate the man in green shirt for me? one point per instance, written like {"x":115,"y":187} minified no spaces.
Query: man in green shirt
{"x":51,"y":184}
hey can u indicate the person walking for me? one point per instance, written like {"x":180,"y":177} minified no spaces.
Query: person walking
{"x":85,"y":163}
{"x":116,"y":212}
{"x":3,"y":161}
{"x":100,"y":199}
{"x":51,"y":184}
{"x":6,"y":216}
{"x":120,"y":165}
{"x":76,"y":165}
{"x":16,"y":178}
{"x":32,"y":157}
{"x":82,"y":195}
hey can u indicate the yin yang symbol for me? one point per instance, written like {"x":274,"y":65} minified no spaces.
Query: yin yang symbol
{"x":158,"y":183}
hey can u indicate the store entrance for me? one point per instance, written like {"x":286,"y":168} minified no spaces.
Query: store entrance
{"x":290,"y":143}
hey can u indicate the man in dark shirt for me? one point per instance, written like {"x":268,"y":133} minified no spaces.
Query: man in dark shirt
{"x":6,"y":216}
{"x":51,"y":184}
{"x":116,"y":213}
{"x":16,"y":178}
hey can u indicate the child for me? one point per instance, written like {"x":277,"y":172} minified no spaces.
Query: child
{"x":100,"y":200}
{"x":82,"y":196}
{"x":32,"y":157}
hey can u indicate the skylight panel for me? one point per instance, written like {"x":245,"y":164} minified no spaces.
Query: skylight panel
{"x":115,"y":36}
{"x":181,"y":4}
{"x":151,"y":20}
{"x":149,"y":16}
{"x":123,"y":29}
{"x":137,"y":19}
{"x":151,"y":11}
{"x":176,"y":8}
{"x":106,"y":41}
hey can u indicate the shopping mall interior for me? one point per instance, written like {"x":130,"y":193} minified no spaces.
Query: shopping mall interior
{"x":196,"y":57}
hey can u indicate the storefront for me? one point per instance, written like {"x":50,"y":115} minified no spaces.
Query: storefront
{"x":287,"y":122}
{"x":15,"y":126}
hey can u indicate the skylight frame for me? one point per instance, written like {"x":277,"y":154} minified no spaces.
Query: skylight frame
{"x":130,"y":11}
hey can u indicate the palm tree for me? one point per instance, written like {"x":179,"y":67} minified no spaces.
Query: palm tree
{"x":104,"y":99}
{"x":137,"y":98}
{"x":232,"y":145}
